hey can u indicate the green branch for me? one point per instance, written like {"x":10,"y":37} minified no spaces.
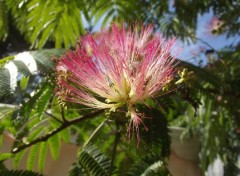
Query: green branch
{"x":95,"y":131}
{"x":54,"y":117}
{"x":116,"y":141}
{"x":63,"y":114}
{"x":57,"y":130}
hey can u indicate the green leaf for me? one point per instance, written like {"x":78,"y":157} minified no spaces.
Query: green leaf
{"x":32,"y":155}
{"x":5,"y":60}
{"x":91,"y":161}
{"x":22,"y":67}
{"x":3,"y":21}
{"x":6,"y":110}
{"x":42,"y":102}
{"x":1,"y":139}
{"x":4,"y":156}
{"x":75,"y":170}
{"x":24,"y":83}
{"x":18,"y":157}
{"x":109,"y":11}
{"x":150,"y":165}
{"x":157,"y":137}
{"x":202,"y":73}
{"x":5,"y":81}
{"x":46,"y":35}
{"x":49,"y":19}
{"x":44,"y":62}
{"x":42,"y":155}
{"x":65,"y":135}
{"x":18,"y":173}
{"x":35,"y":107}
{"x":36,"y":132}
{"x":54,"y":144}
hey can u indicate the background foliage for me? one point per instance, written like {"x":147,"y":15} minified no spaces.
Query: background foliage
{"x":207,"y":104}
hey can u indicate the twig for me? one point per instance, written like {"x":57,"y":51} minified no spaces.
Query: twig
{"x":95,"y":131}
{"x":116,"y":140}
{"x":55,"y":131}
{"x":54,"y":117}
{"x":201,"y":40}
{"x":206,"y":43}
{"x":63,"y":115}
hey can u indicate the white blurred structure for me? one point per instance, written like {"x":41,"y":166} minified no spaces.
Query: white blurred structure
{"x":216,"y":168}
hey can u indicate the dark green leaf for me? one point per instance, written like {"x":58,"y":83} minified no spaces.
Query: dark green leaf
{"x":91,"y":161}
{"x":19,"y":173}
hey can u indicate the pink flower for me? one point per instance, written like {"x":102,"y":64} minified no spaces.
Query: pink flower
{"x":116,"y":67}
{"x":214,"y":25}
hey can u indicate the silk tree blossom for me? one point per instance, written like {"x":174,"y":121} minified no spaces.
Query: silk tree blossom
{"x":117,"y":67}
{"x":215,"y":25}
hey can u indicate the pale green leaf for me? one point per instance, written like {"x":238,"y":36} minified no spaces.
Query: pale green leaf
{"x":32,"y":155}
{"x":54,"y":145}
{"x":42,"y":156}
{"x":24,"y":82}
{"x":17,"y":158}
{"x":4,"y":156}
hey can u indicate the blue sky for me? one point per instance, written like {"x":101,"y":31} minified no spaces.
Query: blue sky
{"x":217,"y":42}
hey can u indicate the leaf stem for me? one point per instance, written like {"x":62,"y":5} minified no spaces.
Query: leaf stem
{"x":63,"y":114}
{"x":116,"y":141}
{"x":54,"y":117}
{"x":95,"y":132}
{"x":206,"y":43}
